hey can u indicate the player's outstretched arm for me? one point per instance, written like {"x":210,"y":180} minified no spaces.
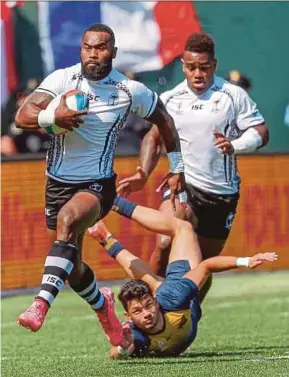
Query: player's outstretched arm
{"x":133,"y":266}
{"x":150,"y":151}
{"x":223,"y":263}
{"x":149,"y":155}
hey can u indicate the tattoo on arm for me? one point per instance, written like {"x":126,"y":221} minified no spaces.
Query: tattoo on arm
{"x":150,"y":150}
{"x":27,"y":115}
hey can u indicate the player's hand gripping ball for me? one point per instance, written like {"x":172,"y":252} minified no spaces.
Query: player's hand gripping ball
{"x":75,"y":100}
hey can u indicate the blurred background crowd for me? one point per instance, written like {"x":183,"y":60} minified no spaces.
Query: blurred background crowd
{"x":36,"y":40}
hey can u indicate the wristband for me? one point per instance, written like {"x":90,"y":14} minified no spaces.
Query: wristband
{"x":243,"y":262}
{"x":248,"y":142}
{"x":46,"y":118}
{"x":176,"y":162}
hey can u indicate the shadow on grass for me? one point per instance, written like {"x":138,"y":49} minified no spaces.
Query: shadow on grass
{"x":196,"y":357}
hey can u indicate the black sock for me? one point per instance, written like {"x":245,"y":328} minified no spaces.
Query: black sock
{"x":58,"y":266}
{"x":87,"y":289}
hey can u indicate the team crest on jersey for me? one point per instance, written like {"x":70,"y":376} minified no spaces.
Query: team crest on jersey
{"x":179,"y":108}
{"x":216,"y":107}
{"x":113,"y":99}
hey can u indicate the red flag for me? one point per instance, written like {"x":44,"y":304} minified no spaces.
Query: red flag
{"x":8,"y":74}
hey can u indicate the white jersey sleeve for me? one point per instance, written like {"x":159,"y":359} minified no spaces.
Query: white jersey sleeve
{"x":144,"y":100}
{"x":247,"y":113}
{"x":54,"y":84}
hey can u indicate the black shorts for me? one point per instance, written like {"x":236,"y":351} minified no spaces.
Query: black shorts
{"x":57,"y":194}
{"x":215,"y":213}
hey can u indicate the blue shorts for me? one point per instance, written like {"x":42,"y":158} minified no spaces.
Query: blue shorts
{"x":179,"y":293}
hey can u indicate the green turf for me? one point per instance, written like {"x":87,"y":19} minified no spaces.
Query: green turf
{"x":244,"y":332}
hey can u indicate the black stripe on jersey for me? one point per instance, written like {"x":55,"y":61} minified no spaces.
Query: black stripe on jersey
{"x":46,"y":90}
{"x":225,"y":156}
{"x":50,"y":288}
{"x":225,"y":167}
{"x":106,"y":142}
{"x":61,"y":152}
{"x":50,"y":154}
{"x":58,"y":150}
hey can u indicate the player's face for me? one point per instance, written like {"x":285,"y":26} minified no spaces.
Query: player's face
{"x":144,"y":313}
{"x":97,"y":53}
{"x":199,"y":69}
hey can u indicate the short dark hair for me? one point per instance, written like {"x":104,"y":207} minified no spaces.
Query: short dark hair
{"x":201,"y":42}
{"x":133,"y":289}
{"x":101,"y":27}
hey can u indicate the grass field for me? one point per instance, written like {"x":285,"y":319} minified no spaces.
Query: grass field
{"x":244,"y":332}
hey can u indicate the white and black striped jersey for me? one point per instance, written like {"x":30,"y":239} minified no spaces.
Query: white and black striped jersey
{"x":86,"y":154}
{"x":224,"y":107}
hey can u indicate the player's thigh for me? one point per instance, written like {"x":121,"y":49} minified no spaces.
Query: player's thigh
{"x":176,"y":292}
{"x":80,"y":212}
{"x":58,"y":194}
{"x":182,"y":212}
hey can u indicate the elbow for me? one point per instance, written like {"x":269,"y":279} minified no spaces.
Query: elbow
{"x":266,"y":137}
{"x":264,"y":133}
{"x":19,"y":121}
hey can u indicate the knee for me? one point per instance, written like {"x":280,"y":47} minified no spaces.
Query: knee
{"x":182,"y":226}
{"x":163,"y":243}
{"x":65,"y":221}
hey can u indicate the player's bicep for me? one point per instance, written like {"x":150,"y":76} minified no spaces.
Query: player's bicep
{"x":27,"y":114}
{"x":40,"y":99}
{"x":247,"y":113}
{"x":159,"y":115}
{"x":144,"y":100}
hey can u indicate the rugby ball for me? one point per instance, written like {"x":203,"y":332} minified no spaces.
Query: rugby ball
{"x":75,"y":100}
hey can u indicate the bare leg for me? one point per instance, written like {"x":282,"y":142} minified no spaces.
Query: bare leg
{"x":160,"y":256}
{"x":185,"y":243}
